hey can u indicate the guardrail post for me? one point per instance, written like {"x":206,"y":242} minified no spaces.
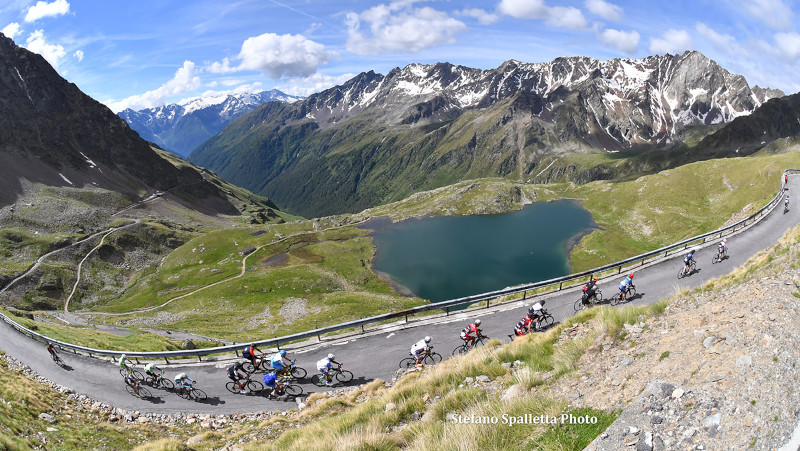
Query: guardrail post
{"x":525,"y":295}
{"x":165,"y":359}
{"x":319,"y":338}
{"x":199,"y":358}
{"x":447,"y":311}
{"x":487,"y":303}
{"x":560,"y":285}
{"x":406,"y":318}
{"x":642,"y":262}
{"x":619,"y":270}
{"x":137,"y":360}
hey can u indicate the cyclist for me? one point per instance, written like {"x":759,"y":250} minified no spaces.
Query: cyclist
{"x":249,"y":353}
{"x":133,"y":383}
{"x":523,"y":326}
{"x":688,"y":260}
{"x":623,"y":286}
{"x":722,"y":248}
{"x":589,"y":291}
{"x":151,"y":370}
{"x":277,"y":362}
{"x":786,"y":203}
{"x":124,"y":362}
{"x":471,"y":333}
{"x":536,"y":312}
{"x":237,"y":373}
{"x":271,"y":381}
{"x":51,"y":349}
{"x":183,"y":382}
{"x":421,"y":349}
{"x":324,"y":366}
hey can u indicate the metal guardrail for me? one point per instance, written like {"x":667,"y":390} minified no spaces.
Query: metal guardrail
{"x":446,"y":305}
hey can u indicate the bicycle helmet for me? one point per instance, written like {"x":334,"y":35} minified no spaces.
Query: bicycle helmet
{"x":427,"y":339}
{"x":596,"y":278}
{"x":331,"y":356}
{"x":477,"y":322}
{"x":630,"y":275}
{"x":283,"y":352}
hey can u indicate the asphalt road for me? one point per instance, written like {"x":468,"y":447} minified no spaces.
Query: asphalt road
{"x":377,"y":355}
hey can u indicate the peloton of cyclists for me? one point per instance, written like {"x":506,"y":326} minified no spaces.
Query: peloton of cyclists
{"x":324,"y":366}
{"x":471,"y":333}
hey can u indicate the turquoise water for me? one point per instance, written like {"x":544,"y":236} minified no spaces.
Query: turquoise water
{"x":447,"y":257}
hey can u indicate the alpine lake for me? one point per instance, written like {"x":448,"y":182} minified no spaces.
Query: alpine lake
{"x":446,"y":257}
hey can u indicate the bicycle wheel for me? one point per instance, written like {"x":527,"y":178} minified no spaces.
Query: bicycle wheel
{"x":298,"y":373}
{"x":137,"y":375}
{"x":480,"y":341}
{"x":716,"y":258}
{"x":198,"y":395}
{"x":344,"y":376}
{"x":433,"y":358}
{"x":631,"y":293}
{"x":293,"y":390}
{"x":131,"y":390}
{"x":145,"y":393}
{"x":598,"y":296}
{"x":166,"y":383}
{"x":615,"y":299}
{"x":579,"y":305}
{"x":151,"y":381}
{"x":317,"y":380}
{"x":408,"y":362}
{"x":123,"y":372}
{"x":682,"y":273}
{"x":255,"y":386}
{"x":547,"y":321}
{"x":460,"y":350}
{"x":249,"y":367}
{"x":232,"y":387}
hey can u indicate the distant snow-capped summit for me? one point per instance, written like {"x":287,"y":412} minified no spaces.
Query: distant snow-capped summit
{"x":180,"y":127}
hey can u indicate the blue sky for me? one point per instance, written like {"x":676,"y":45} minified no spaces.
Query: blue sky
{"x":145,"y":53}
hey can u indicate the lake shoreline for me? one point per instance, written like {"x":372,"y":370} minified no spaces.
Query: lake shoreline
{"x":575,"y":239}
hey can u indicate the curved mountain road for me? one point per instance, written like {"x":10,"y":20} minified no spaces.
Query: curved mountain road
{"x":376,"y":354}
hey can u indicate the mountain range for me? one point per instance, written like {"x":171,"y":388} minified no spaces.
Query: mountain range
{"x":378,"y":138}
{"x":180,"y":127}
{"x":55,"y":137}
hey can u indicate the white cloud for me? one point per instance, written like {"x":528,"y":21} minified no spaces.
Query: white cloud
{"x":43,"y":9}
{"x":772,"y":13}
{"x":11,"y":30}
{"x":185,"y":80}
{"x":604,"y":9}
{"x":243,"y":88}
{"x":314,"y":83}
{"x":231,"y":82}
{"x":37,"y":43}
{"x":788,"y":45}
{"x":524,"y":9}
{"x":78,"y":55}
{"x":279,"y":56}
{"x":557,"y":16}
{"x":398,"y":27}
{"x":672,"y":41}
{"x":721,"y":42}
{"x":484,"y":17}
{"x":561,"y":17}
{"x":627,"y":41}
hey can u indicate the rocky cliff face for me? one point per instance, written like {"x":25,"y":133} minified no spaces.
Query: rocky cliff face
{"x":181,"y":127}
{"x":378,"y":138}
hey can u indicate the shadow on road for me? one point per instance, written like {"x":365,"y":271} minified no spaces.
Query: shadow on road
{"x":66,"y":367}
{"x":215,"y":401}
